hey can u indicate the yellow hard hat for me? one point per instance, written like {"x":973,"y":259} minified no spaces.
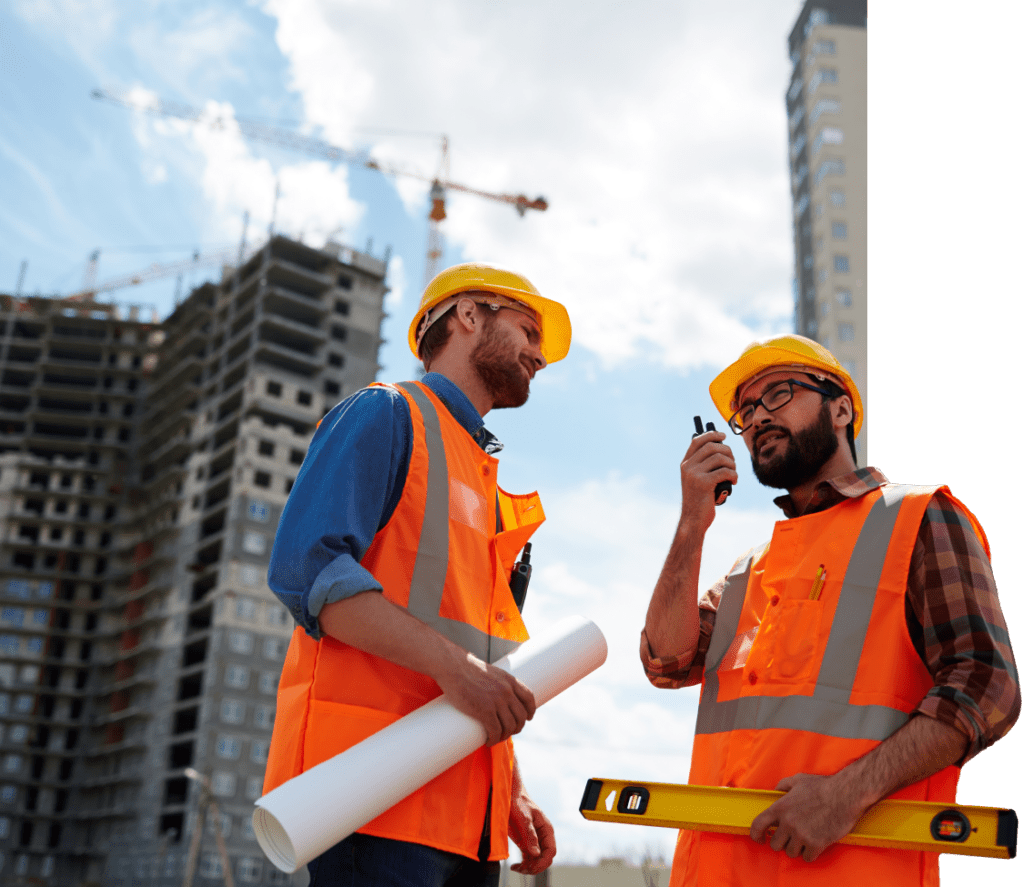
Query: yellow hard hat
{"x":782,"y":352}
{"x":556,"y":330}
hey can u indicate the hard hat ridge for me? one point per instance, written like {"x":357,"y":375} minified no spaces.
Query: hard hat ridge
{"x":789,"y":351}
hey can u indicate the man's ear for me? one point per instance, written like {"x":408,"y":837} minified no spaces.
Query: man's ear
{"x":842,"y":410}
{"x":467,"y":314}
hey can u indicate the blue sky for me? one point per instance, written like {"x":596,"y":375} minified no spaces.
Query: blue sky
{"x":657,"y":133}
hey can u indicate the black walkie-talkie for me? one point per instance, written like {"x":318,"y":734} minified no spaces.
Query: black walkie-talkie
{"x":721,"y":487}
{"x":520,"y":579}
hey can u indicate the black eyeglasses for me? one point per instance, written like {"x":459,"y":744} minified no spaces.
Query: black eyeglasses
{"x":775,"y":397}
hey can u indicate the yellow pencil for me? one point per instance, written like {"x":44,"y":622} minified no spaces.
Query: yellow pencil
{"x":819,"y":582}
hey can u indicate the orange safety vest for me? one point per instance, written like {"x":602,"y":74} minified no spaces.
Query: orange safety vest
{"x":442,"y":557}
{"x":794,"y":685}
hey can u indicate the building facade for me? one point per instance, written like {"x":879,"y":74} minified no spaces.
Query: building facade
{"x":827,"y":108}
{"x":144,"y":469}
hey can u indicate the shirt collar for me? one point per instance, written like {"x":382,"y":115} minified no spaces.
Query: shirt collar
{"x":835,"y":490}
{"x":463,"y":411}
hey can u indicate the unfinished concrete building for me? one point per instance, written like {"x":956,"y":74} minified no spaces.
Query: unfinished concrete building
{"x":153,"y":689}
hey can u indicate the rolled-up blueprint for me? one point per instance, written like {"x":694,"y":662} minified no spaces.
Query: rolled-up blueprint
{"x":310,"y":813}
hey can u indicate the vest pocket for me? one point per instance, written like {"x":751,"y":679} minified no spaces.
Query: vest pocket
{"x":795,"y":639}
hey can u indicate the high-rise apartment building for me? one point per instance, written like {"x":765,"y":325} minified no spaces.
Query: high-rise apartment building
{"x":144,"y":470}
{"x":827,"y":108}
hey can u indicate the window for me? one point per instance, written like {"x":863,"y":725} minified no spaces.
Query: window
{"x":268,"y":684}
{"x":254,"y":788}
{"x":845,"y":331}
{"x":824,"y":47}
{"x":830,"y":168}
{"x":839,"y":230}
{"x":822,"y":75}
{"x":341,"y":307}
{"x":335,"y":360}
{"x":822,"y":275}
{"x":304,"y":397}
{"x":254,"y":543}
{"x":798,"y":145}
{"x":245,"y":608}
{"x":277,"y":615}
{"x":837,"y":198}
{"x":824,"y":308}
{"x":261,"y":479}
{"x":211,"y":866}
{"x":331,"y":387}
{"x":12,"y":763}
{"x":232,"y":711}
{"x":266,"y":448}
{"x":844,"y":298}
{"x":259,"y":511}
{"x":250,"y":871}
{"x":794,"y":89}
{"x":18,"y":588}
{"x":9,"y":644}
{"x":823,"y":106}
{"x":250,"y":575}
{"x":288,"y":484}
{"x":5,"y":826}
{"x":228,"y":747}
{"x":296,"y":457}
{"x":223,"y":783}
{"x":344,"y":282}
{"x":5,"y":700}
{"x":240,"y":642}
{"x":264,"y":716}
{"x":44,"y":590}
{"x":274,"y":389}
{"x":829,"y":135}
{"x":841,"y":264}
{"x":12,"y":616}
{"x":258,"y":753}
{"x":850,"y":364}
{"x":339,"y":332}
{"x":273,"y":648}
{"x":236,"y":676}
{"x":8,"y":793}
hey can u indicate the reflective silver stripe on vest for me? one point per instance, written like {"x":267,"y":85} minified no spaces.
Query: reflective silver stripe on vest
{"x":430,"y":568}
{"x":828,"y":711}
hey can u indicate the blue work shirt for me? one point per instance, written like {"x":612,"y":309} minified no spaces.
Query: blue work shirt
{"x":347,"y":489}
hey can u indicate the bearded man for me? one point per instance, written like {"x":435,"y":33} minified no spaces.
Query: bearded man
{"x":393,"y":554}
{"x":860,"y":654}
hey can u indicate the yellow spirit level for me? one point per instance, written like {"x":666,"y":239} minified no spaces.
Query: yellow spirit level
{"x":905,"y":825}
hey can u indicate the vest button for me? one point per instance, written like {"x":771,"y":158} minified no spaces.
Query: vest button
{"x":752,"y":678}
{"x":486,"y":470}
{"x":500,"y":617}
{"x":775,"y":600}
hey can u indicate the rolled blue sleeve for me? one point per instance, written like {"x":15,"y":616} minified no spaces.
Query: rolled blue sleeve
{"x":347,"y":489}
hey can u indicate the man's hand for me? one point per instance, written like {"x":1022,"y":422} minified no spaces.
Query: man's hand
{"x":491,"y":696}
{"x":531,"y":830}
{"x":815,"y":812}
{"x":707,"y":462}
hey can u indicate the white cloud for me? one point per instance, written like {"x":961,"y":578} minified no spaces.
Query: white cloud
{"x":657,"y":132}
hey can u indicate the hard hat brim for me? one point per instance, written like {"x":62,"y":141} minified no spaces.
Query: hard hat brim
{"x":754,"y":363}
{"x":556,"y":328}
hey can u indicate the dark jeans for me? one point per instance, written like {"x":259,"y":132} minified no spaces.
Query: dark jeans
{"x":367,"y":861}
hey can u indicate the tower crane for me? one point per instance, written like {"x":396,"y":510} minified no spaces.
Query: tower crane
{"x":258,"y":131}
{"x":153,"y":272}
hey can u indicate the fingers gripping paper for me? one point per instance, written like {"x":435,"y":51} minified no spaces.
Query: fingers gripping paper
{"x":309,"y":814}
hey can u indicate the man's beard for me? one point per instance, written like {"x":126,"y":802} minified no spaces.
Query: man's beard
{"x":803,"y":454}
{"x":499,"y":368}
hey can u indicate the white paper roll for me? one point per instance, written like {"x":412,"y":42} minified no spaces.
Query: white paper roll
{"x":312,"y":812}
